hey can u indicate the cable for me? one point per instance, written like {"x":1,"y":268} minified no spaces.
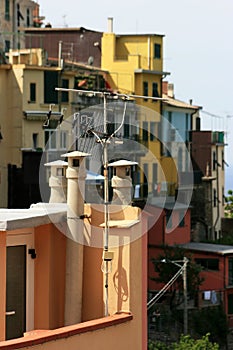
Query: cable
{"x":164,"y":289}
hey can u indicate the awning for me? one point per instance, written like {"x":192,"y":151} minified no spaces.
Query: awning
{"x":94,"y":178}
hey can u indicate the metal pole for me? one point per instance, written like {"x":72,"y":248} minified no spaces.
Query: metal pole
{"x":184,"y":274}
{"x":106,"y":199}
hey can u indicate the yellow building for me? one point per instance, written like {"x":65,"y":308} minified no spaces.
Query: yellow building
{"x":28,"y":92}
{"x":15,"y":15}
{"x":135,"y":65}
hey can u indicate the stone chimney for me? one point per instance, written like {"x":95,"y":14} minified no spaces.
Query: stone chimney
{"x":122,"y":182}
{"x":76,"y":174}
{"x":170,"y":90}
{"x":165,"y":87}
{"x":110,"y":24}
{"x":57,"y":181}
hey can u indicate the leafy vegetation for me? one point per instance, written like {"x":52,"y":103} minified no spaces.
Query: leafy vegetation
{"x":229,"y":204}
{"x":186,"y":343}
{"x":211,"y":320}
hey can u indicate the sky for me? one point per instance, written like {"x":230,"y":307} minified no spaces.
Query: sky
{"x":198,"y":47}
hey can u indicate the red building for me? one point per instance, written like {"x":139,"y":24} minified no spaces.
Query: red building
{"x":216,"y":260}
{"x":171,"y":227}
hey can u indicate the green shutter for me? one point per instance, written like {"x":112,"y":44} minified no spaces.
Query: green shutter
{"x":50,"y":83}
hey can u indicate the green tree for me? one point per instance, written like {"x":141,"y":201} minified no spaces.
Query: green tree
{"x":229,"y":204}
{"x":211,"y":320}
{"x":186,"y":343}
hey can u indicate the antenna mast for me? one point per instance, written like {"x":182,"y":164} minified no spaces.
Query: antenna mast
{"x":104,"y":141}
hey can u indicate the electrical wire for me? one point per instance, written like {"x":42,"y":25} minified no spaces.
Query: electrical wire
{"x":164,"y":289}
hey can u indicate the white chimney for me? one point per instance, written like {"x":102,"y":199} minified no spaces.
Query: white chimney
{"x":122,"y":182}
{"x":76,"y":174}
{"x":170,"y":90}
{"x":110,"y":24}
{"x":57,"y":181}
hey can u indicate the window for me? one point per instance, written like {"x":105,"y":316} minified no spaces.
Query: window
{"x":223,"y":160}
{"x":214,"y":160}
{"x":28,"y":18}
{"x":126,"y":127}
{"x":145,"y":170}
{"x":208,"y":264}
{"x":155,"y":92}
{"x":168,"y":219}
{"x":230,"y":271}
{"x":55,"y":139}
{"x":230,"y":303}
{"x":50,"y":83}
{"x":63,"y":139}
{"x":111,"y":125}
{"x":155,"y":177}
{"x":145,"y":131}
{"x":50,"y":139}
{"x":65,"y":94}
{"x":7,"y":10}
{"x":157,"y":51}
{"x":215,"y":197}
{"x":7,"y":45}
{"x":35,"y":140}
{"x":153,"y":131}
{"x":181,"y":218}
{"x":180,"y":160}
{"x":32,"y":92}
{"x":145,"y":180}
{"x":170,"y":117}
{"x":19,"y":15}
{"x":145,"y":89}
{"x":187,"y":127}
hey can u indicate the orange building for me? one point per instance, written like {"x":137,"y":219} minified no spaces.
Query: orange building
{"x":47,"y":299}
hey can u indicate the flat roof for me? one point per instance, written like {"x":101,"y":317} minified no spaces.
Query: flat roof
{"x":58,"y":29}
{"x":220,"y":249}
{"x":148,"y":71}
{"x":178,"y":103}
{"x":37,"y":214}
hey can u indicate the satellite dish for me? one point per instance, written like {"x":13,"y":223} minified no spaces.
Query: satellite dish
{"x":90,"y":60}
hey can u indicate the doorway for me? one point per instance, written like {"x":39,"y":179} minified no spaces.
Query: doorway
{"x":15,"y":292}
{"x":19,"y":283}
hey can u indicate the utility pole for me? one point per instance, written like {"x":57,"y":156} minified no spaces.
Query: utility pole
{"x":183,"y":272}
{"x":184,"y":275}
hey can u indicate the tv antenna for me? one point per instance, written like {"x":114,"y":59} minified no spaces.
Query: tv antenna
{"x":105,"y":140}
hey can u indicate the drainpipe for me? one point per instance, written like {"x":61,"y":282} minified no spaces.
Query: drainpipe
{"x":217,"y":183}
{"x":76,"y":174}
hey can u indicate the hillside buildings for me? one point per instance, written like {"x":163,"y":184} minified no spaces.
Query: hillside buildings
{"x":171,"y":163}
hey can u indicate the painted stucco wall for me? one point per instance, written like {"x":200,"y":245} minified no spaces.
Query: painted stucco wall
{"x":3,"y":284}
{"x":113,"y":332}
{"x":49,"y":277}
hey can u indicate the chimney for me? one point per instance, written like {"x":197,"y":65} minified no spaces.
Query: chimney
{"x":170,"y":92}
{"x":76,"y":174}
{"x":110,"y":24}
{"x":122,"y":182}
{"x":57,"y":181}
{"x":165,"y":87}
